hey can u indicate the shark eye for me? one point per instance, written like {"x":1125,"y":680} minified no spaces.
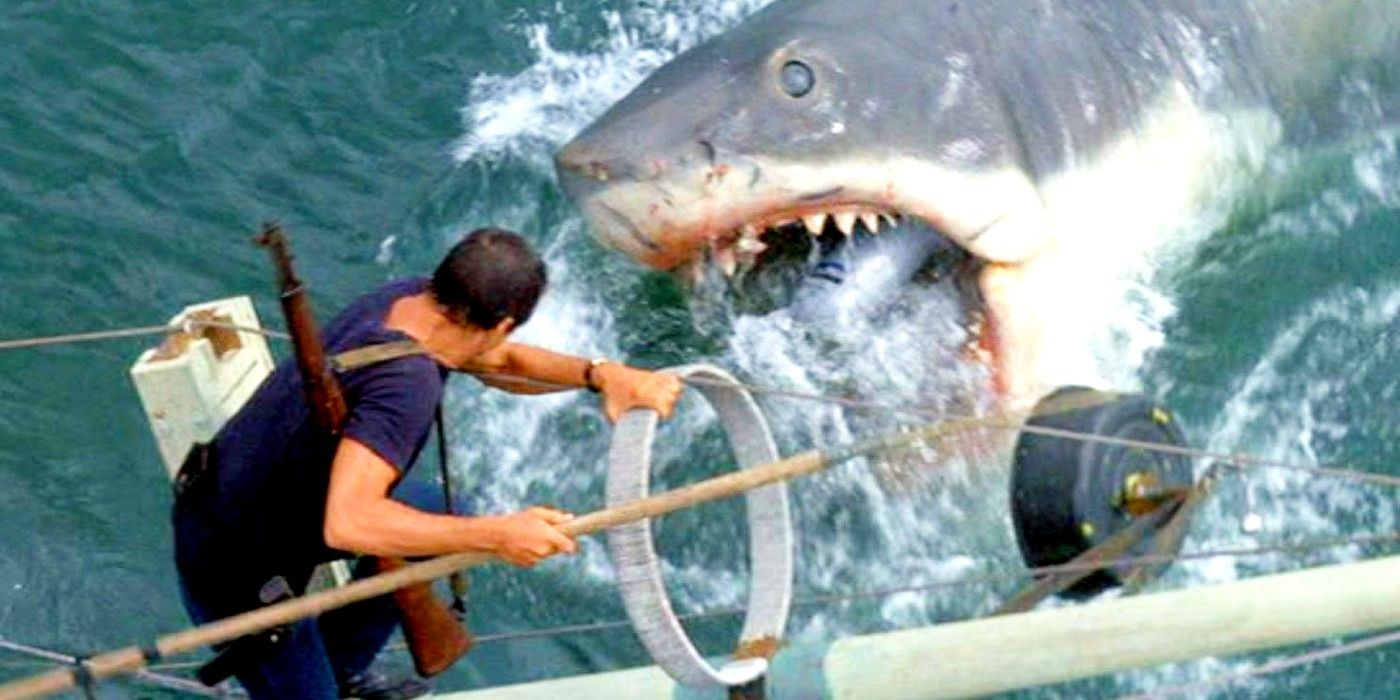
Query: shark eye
{"x":796,"y":78}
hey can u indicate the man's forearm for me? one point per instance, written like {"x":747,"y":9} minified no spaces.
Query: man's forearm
{"x":524,"y":369}
{"x":360,"y":517}
{"x":389,"y":528}
{"x":545,"y":371}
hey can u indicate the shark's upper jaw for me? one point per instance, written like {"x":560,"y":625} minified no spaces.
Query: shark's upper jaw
{"x":727,"y":211}
{"x":744,"y":247}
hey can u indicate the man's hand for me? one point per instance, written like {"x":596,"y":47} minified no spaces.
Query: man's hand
{"x":526,"y":537}
{"x":625,"y":388}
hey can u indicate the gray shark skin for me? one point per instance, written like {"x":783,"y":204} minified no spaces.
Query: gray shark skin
{"x":1055,"y":141}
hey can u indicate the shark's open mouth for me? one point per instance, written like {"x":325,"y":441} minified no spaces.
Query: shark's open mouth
{"x":746,"y":246}
{"x":774,"y":230}
{"x":827,"y":263}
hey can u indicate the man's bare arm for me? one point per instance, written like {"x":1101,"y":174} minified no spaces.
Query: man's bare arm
{"x":545,"y":371}
{"x":360,"y":517}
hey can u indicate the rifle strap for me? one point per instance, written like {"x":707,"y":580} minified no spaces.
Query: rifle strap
{"x":458,"y":578}
{"x":374,"y":354}
{"x":383,"y":352}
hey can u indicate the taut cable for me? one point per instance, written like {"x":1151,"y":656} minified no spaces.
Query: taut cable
{"x":134,"y":658}
{"x":1004,"y":421}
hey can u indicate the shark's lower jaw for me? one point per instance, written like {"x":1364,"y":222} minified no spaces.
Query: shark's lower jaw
{"x":784,"y":259}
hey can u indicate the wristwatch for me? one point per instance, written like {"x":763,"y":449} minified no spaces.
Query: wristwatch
{"x":593,"y":364}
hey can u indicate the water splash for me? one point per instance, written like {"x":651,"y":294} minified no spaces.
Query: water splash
{"x":530,"y":114}
{"x":895,"y":520}
{"x":1291,"y":409}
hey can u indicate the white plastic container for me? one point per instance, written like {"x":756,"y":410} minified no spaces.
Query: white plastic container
{"x":201,"y":375}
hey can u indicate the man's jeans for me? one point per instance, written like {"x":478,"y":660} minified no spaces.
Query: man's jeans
{"x":318,"y":655}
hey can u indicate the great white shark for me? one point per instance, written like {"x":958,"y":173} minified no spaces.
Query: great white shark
{"x":1055,"y":142}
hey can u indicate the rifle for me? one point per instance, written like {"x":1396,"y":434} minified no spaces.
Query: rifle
{"x":436,"y":637}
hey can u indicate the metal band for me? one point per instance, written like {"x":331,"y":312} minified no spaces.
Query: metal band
{"x":770,"y":540}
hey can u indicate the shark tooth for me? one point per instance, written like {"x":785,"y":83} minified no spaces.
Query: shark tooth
{"x":815,"y":223}
{"x":694,"y":271}
{"x":891,"y":220}
{"x":871,"y":221}
{"x":726,"y":259}
{"x":750,"y":245}
{"x":746,"y":252}
{"x":749,"y":231}
{"x":846,"y":221}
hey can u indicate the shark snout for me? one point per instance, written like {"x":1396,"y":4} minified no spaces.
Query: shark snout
{"x":584,"y":170}
{"x":584,"y":159}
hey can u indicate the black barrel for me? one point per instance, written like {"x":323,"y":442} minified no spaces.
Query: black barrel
{"x":1067,"y":495}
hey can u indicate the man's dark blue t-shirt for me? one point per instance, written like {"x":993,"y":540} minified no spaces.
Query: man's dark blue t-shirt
{"x":273,"y":462}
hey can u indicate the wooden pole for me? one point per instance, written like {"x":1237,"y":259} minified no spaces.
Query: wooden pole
{"x":131,"y":658}
{"x":993,"y":655}
{"x":999,"y":654}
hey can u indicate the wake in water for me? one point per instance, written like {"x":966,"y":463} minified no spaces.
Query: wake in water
{"x":936,"y":514}
{"x":1317,"y":387}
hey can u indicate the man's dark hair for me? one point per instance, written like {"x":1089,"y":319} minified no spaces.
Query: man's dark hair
{"x":488,"y":276}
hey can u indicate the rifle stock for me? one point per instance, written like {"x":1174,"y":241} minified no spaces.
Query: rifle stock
{"x":434,"y":634}
{"x":436,"y":637}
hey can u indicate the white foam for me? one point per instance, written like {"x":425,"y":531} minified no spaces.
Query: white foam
{"x":530,"y":114}
{"x":1377,"y":170}
{"x":385,"y":256}
{"x":1279,"y":413}
{"x":902,"y":518}
{"x":922,"y":536}
{"x":1122,"y":220}
{"x":1291,"y":416}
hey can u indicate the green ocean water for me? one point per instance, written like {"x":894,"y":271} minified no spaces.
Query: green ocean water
{"x":142,"y":143}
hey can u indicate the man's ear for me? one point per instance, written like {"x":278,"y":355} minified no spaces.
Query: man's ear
{"x":505,"y":326}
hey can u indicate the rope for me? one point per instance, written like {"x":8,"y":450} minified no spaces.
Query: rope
{"x":133,"y":658}
{"x":1008,"y":421}
{"x":1011,"y":421}
{"x":841,"y":597}
{"x":1003,"y":421}
{"x":147,"y":676}
{"x":84,"y":337}
{"x":267,"y":333}
{"x":1284,"y":664}
{"x":44,"y":341}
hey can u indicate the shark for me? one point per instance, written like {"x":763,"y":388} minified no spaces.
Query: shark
{"x":1055,"y":145}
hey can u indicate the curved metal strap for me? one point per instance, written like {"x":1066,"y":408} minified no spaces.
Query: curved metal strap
{"x":770,"y":541}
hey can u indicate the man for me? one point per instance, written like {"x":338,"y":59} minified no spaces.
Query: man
{"x":275,"y":495}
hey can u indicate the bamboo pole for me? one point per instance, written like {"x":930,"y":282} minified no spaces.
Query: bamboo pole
{"x":130,"y":659}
